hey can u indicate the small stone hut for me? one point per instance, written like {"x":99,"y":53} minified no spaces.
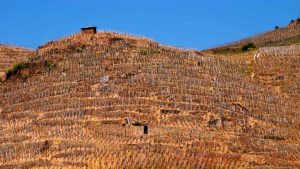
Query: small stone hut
{"x":89,"y":30}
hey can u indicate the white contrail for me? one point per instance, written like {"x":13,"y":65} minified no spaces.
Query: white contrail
{"x":214,"y":28}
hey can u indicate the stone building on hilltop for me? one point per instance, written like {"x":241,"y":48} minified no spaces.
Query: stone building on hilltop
{"x":89,"y":30}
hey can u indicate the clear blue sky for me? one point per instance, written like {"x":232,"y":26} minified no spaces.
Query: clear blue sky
{"x":197,"y":24}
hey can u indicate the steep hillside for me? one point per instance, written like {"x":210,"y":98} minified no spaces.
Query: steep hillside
{"x":87,"y":98}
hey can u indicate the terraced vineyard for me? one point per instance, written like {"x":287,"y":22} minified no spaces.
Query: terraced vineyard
{"x":279,"y":67}
{"x":87,"y":104}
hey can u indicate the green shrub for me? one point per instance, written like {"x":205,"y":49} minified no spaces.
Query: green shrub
{"x":17,"y":67}
{"x":14,"y":70}
{"x":248,"y":46}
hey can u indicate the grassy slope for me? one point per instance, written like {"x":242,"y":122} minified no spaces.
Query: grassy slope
{"x":286,"y":42}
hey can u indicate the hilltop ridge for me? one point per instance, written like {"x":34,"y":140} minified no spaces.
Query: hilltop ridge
{"x":81,"y":40}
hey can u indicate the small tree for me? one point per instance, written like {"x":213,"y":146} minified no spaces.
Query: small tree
{"x":14,"y":70}
{"x":248,"y":46}
{"x":276,"y":27}
{"x":17,"y":67}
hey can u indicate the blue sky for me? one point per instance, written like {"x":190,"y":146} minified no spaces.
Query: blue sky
{"x":196,"y":24}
